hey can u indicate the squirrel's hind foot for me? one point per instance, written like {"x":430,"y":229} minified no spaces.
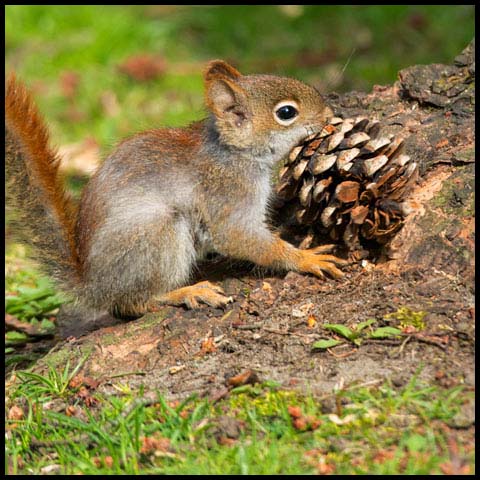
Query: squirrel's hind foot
{"x":190,"y":296}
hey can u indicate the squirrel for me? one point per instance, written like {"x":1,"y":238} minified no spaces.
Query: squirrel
{"x":165,"y":197}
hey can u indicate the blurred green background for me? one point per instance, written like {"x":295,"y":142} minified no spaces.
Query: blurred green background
{"x":103,"y":72}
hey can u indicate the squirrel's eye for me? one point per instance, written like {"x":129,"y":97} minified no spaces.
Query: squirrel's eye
{"x":285,"y":113}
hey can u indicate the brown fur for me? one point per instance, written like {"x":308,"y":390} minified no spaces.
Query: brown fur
{"x":45,"y":213}
{"x":165,"y":197}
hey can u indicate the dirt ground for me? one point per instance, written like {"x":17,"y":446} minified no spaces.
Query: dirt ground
{"x":274,"y":320}
{"x":267,"y":330}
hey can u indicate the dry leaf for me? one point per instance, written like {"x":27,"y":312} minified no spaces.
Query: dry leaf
{"x":143,"y":67}
{"x":69,"y":82}
{"x":442,"y":143}
{"x":294,"y":411}
{"x":267,"y":287}
{"x":311,"y":321}
{"x":80,"y":158}
{"x":176,"y":369}
{"x":248,"y":377}
{"x":15,"y":413}
{"x":300,"y":424}
{"x":154,"y":445}
{"x":333,"y":417}
{"x":71,"y":411}
{"x":208,"y":346}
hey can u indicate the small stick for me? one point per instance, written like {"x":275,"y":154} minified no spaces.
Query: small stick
{"x":251,"y":326}
{"x":35,"y":443}
{"x":342,"y":355}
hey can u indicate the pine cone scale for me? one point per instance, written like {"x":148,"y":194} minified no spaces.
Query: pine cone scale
{"x":347,"y":182}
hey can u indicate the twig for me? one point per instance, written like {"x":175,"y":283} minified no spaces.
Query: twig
{"x":13,"y":323}
{"x":125,"y":374}
{"x":251,"y":326}
{"x":342,"y":355}
{"x":279,"y":332}
{"x":402,"y":346}
{"x":35,"y":443}
{"x":429,"y":342}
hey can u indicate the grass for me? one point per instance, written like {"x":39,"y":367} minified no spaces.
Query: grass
{"x":314,"y":43}
{"x":32,"y":302}
{"x":60,"y":423}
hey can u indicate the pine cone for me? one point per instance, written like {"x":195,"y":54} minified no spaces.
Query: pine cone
{"x":348,"y":183}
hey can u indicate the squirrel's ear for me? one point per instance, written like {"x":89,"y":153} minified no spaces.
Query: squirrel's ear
{"x":219,"y":67}
{"x":227,"y":100}
{"x":223,"y":95}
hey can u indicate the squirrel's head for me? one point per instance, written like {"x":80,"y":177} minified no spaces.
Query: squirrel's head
{"x":262,"y":112}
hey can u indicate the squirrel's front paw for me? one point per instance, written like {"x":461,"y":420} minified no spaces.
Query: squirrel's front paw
{"x":312,"y":262}
{"x":204,"y":292}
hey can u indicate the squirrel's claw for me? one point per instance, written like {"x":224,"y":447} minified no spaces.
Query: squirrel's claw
{"x":313,"y":262}
{"x":204,"y":292}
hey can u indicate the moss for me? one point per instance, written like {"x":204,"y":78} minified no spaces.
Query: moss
{"x":58,"y":358}
{"x":151,"y":319}
{"x":467,"y":155}
{"x":271,"y":403}
{"x":432,"y":224}
{"x":457,"y":195}
{"x":408,"y":318}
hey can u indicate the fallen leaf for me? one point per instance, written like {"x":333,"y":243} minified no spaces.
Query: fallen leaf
{"x":109,"y":102}
{"x":300,"y":424}
{"x":13,"y":323}
{"x":76,"y":381}
{"x":85,"y":395}
{"x":176,"y":369}
{"x":450,"y":468}
{"x":143,"y":67}
{"x":69,"y":82}
{"x":266,"y":287}
{"x":51,"y":469}
{"x":442,"y":143}
{"x":294,"y":411}
{"x":154,"y":444}
{"x":70,"y":411}
{"x":311,"y":321}
{"x":80,"y":158}
{"x":80,"y":380}
{"x":208,"y":346}
{"x":325,"y":468}
{"x":226,"y":441}
{"x":245,"y":378}
{"x":383,"y":455}
{"x":333,"y":417}
{"x":15,"y":413}
{"x":313,"y":423}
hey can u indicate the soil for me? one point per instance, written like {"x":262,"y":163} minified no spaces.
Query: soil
{"x":267,"y":330}
{"x":275,"y":319}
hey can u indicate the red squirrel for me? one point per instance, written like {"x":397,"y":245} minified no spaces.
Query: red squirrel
{"x":165,"y":197}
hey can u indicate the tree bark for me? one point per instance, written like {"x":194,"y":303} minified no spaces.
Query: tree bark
{"x":434,"y":106}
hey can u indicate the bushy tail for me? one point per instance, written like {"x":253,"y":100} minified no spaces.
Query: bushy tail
{"x":44,"y":216}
